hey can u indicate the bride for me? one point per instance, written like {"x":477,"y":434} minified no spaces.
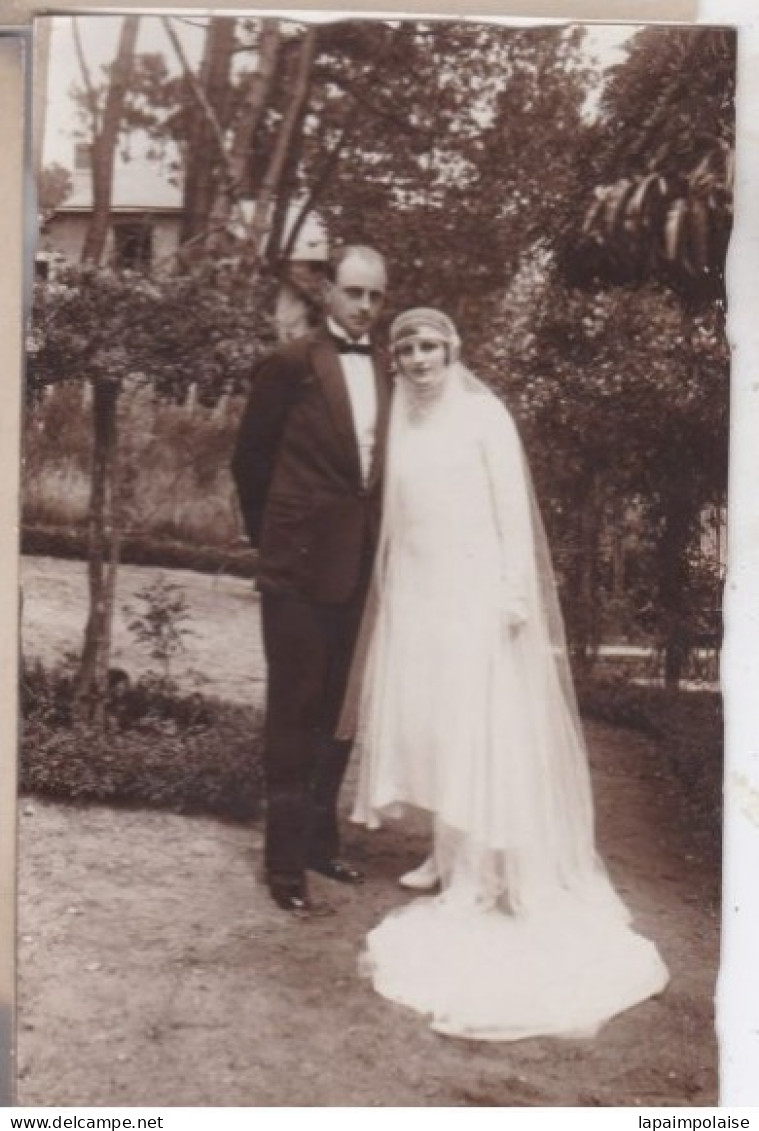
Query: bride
{"x":462,"y":705}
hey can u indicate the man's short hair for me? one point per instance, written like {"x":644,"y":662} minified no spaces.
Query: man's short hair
{"x":362,"y":251}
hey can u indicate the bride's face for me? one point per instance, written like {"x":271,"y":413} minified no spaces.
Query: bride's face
{"x":423,"y":360}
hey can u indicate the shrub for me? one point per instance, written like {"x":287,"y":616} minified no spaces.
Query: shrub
{"x":188,"y":753}
{"x":686,"y":725}
{"x":143,"y":549}
{"x":159,"y":623}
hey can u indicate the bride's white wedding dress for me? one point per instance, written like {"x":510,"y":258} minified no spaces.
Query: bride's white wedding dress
{"x":466,"y":710}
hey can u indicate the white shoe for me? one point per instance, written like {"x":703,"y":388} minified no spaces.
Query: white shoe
{"x":424,"y":878}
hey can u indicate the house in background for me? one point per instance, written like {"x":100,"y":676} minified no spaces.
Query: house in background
{"x":145,"y":227}
{"x":146,"y":215}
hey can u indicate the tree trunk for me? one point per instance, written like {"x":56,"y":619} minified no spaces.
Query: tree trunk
{"x":583,"y":621}
{"x":204,"y":172}
{"x":618,"y":580}
{"x":252,"y":110}
{"x":236,"y":181}
{"x":104,"y":142}
{"x":272,"y":180}
{"x":276,"y":253}
{"x":674,"y":576}
{"x":280,"y":250}
{"x":91,"y":691}
{"x":41,"y":69}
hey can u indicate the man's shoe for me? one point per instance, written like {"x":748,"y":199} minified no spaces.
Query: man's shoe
{"x":424,"y":878}
{"x":297,"y":903}
{"x":338,"y":870}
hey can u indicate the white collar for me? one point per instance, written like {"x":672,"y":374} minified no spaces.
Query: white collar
{"x":338,"y":331}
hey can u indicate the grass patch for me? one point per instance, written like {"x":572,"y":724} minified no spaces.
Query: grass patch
{"x":175,"y":480}
{"x":189,"y":754}
{"x":58,"y":495}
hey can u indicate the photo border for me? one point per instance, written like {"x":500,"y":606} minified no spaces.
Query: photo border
{"x":738,"y":990}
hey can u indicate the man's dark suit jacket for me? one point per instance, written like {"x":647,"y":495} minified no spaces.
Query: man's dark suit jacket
{"x":298,"y":473}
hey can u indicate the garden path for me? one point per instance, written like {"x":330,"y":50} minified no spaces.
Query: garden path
{"x":154,"y":970}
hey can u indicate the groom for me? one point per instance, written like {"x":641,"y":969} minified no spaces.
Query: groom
{"x":308,"y":467}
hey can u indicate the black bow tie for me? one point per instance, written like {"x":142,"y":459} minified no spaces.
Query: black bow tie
{"x":342,"y":345}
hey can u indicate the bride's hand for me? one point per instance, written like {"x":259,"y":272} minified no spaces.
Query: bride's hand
{"x":514,"y":616}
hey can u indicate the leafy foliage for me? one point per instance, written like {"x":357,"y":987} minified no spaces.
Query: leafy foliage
{"x":188,"y":754}
{"x":175,"y":493}
{"x":205,"y":327}
{"x":432,"y":140}
{"x":448,"y":175}
{"x":54,"y":185}
{"x":414,"y":135}
{"x":622,"y":396}
{"x":623,"y":382}
{"x":159,"y":623}
{"x":144,"y":550}
{"x":687,"y":727}
{"x":664,"y":164}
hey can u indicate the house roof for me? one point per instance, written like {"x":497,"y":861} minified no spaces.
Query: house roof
{"x":137,"y":187}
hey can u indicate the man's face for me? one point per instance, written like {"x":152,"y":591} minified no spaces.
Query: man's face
{"x":356,"y":297}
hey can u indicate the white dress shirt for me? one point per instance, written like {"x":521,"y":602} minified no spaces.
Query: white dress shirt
{"x":358,"y":372}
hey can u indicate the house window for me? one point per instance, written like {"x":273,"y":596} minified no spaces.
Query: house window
{"x":82,"y":157}
{"x":133,"y":246}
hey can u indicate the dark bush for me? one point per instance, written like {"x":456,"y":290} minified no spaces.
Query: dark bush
{"x":141,"y":549}
{"x":686,"y":725}
{"x":188,"y":753}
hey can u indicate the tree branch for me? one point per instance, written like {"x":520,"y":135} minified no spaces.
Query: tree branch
{"x":105,"y":141}
{"x":273,"y":176}
{"x":199,"y":95}
{"x":354,"y":91}
{"x":89,"y":86}
{"x":252,"y":109}
{"x":330,"y":162}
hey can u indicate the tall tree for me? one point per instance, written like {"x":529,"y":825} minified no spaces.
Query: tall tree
{"x":622,"y":395}
{"x":254,"y":102}
{"x":662,"y":163}
{"x":205,"y":172}
{"x":92,"y":678}
{"x":292,"y":119}
{"x":105,"y":135}
{"x":447,"y":167}
{"x":54,"y":185}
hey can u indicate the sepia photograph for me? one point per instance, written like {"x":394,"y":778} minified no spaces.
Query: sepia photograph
{"x":373,"y":546}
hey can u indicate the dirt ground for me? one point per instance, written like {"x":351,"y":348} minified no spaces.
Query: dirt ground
{"x":154,"y":970}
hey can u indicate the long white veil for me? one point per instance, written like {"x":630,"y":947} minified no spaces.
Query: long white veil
{"x":528,"y":934}
{"x":550,"y":840}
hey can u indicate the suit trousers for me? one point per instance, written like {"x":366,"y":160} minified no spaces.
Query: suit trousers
{"x":308,"y":649}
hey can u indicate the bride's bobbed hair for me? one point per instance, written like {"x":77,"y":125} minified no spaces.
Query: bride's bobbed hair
{"x":426,"y":321}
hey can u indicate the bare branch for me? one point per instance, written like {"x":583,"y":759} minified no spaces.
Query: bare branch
{"x":105,"y":141}
{"x":89,"y":86}
{"x":199,"y":95}
{"x":272,"y":178}
{"x":355,"y":91}
{"x":351,"y":120}
{"x":254,"y":103}
{"x":215,"y":228}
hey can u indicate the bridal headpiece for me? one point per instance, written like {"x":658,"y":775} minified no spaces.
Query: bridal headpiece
{"x":425,"y":320}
